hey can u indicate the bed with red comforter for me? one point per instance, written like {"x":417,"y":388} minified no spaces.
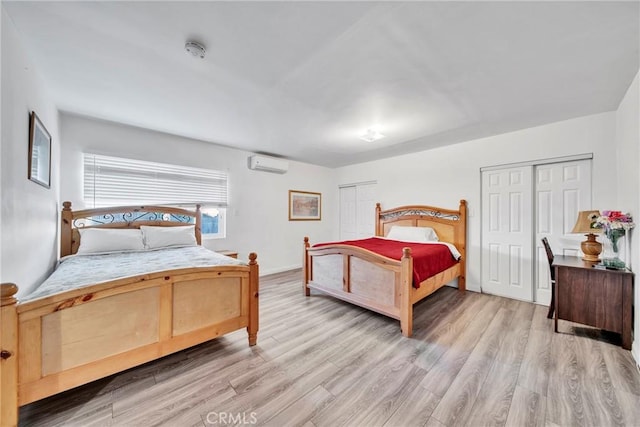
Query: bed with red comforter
{"x":390,"y":276}
{"x":429,"y":259}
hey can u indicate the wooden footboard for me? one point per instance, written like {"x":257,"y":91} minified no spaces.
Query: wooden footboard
{"x":357,"y":275}
{"x":361,"y":277}
{"x":59,"y":342}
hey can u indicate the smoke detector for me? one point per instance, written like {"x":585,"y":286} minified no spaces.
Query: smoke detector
{"x":195,"y":48}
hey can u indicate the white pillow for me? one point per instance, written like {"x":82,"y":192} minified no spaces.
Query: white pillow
{"x":161,"y":237}
{"x":96,"y":240}
{"x":412,"y":234}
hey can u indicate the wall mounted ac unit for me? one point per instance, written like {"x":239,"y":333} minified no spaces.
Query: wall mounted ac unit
{"x":268,"y":164}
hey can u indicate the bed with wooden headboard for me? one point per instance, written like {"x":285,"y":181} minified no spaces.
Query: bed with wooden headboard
{"x":57,"y":342}
{"x":379,"y":283}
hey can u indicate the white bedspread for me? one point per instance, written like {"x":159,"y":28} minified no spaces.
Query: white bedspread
{"x":82,"y":270}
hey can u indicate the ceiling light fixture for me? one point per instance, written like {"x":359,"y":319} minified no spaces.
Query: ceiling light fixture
{"x":195,"y":48}
{"x":371,"y":135}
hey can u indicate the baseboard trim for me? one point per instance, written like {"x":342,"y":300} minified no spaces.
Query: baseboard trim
{"x":474,"y":287}
{"x":635,"y":353}
{"x":277,"y":270}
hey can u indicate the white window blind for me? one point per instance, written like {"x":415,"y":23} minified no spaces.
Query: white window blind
{"x":114,"y":181}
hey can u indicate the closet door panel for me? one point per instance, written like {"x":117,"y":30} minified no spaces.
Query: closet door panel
{"x":348,"y":213}
{"x":506,"y":234}
{"x":366,"y":210}
{"x":562,"y":190}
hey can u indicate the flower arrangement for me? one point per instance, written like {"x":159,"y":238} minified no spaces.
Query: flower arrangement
{"x":614,"y":224}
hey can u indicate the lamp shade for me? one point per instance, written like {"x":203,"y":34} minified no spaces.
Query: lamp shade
{"x":584,"y":221}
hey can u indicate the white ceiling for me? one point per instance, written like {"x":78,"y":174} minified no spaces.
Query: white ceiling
{"x":304,"y":79}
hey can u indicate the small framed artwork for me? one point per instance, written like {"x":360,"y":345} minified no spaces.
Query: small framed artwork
{"x":305,"y":206}
{"x":39,"y":152}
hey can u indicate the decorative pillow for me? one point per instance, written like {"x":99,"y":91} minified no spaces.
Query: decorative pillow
{"x":96,"y":240}
{"x":413,"y":234}
{"x":162,"y":237}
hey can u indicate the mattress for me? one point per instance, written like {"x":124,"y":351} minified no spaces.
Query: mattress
{"x":77,"y":271}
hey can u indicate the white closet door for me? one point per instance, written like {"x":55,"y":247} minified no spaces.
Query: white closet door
{"x":348,"y":213}
{"x":507,"y":224}
{"x":562,"y":189}
{"x":357,"y":211}
{"x":366,"y":210}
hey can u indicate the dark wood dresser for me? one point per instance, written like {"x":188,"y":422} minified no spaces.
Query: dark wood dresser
{"x":594,"y":297}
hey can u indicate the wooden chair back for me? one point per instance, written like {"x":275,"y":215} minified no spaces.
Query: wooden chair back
{"x":547,"y":249}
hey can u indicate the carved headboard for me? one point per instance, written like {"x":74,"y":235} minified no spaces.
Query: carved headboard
{"x":450,"y":225}
{"x":122,"y":217}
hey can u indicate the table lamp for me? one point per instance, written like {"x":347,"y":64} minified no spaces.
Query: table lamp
{"x":591,"y":248}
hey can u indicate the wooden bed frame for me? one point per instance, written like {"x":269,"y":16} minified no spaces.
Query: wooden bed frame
{"x":383,"y":284}
{"x":61,"y":341}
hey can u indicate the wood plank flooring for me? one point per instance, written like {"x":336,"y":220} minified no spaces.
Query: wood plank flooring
{"x":474,"y":359}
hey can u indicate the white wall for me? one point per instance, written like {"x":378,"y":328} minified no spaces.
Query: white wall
{"x":29,"y":211}
{"x":442,"y":176}
{"x":257,"y":217}
{"x":628,"y":180}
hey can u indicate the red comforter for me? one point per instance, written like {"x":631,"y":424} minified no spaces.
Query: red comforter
{"x":428,"y":259}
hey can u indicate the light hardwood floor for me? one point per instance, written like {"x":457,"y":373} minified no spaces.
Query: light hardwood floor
{"x":473,"y":360}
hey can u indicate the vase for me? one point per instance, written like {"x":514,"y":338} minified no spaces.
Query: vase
{"x":612,"y":258}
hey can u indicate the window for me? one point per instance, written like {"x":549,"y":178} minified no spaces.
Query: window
{"x":114,"y":181}
{"x":213,"y":222}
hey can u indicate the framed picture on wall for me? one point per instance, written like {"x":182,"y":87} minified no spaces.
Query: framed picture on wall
{"x":305,"y":206}
{"x":39,"y":152}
